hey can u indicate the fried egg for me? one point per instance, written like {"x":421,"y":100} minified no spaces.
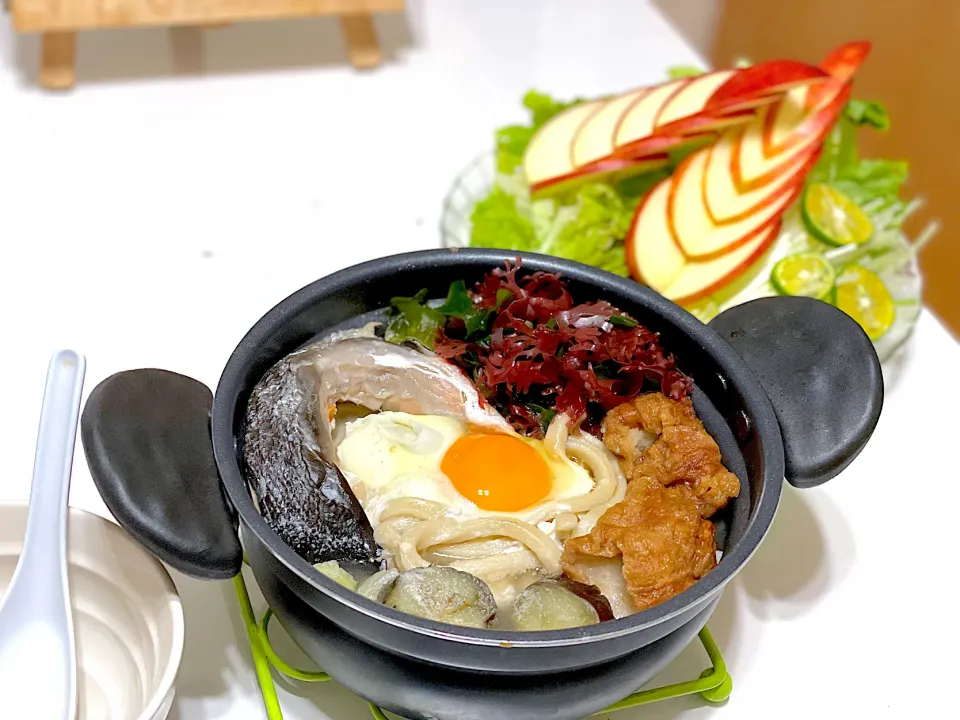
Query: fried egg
{"x":392,"y":455}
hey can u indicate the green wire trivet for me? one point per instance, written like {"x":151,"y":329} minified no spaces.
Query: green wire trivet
{"x":714,"y":684}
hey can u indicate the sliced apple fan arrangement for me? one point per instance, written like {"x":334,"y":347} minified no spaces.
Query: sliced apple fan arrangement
{"x":716,"y":188}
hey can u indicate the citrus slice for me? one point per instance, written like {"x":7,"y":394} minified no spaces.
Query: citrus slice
{"x":863,"y":296}
{"x":833,"y":218}
{"x":806,"y":274}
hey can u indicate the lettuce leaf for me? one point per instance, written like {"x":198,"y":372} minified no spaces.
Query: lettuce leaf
{"x":839,"y":151}
{"x":840,"y":165}
{"x":591,"y":229}
{"x":511,"y":142}
{"x":588,"y":227}
{"x":498,"y":223}
{"x":869,"y":179}
{"x":862,"y":112}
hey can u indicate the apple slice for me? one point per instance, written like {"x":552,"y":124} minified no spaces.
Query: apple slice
{"x":652,"y":256}
{"x":612,"y":169}
{"x":548,"y":152}
{"x":725,"y":202}
{"x":750,"y":86}
{"x":845,"y":60}
{"x":639,"y":119}
{"x":698,"y":237}
{"x":702,"y":123}
{"x":691,"y":97}
{"x":594,"y":139}
{"x":841,"y":64}
{"x":698,"y":279}
{"x":784,"y":119}
{"x":681,"y":113}
{"x":654,"y":145}
{"x":783,"y":124}
{"x":655,"y":260}
{"x":548,"y":162}
{"x":752,"y":168}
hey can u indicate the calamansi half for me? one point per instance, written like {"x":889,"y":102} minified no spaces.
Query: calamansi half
{"x":863,"y":296}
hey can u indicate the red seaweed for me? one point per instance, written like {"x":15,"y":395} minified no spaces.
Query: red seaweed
{"x":544,"y":351}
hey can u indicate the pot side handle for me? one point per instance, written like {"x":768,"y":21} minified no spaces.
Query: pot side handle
{"x":821,"y":373}
{"x":146,"y":437}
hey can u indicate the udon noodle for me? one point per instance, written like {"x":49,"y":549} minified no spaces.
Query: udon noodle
{"x":416,"y":533}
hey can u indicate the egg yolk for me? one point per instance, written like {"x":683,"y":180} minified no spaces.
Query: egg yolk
{"x":497,"y":472}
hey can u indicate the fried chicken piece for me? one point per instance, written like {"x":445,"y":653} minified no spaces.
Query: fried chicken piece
{"x":664,"y":440}
{"x":676,"y":479}
{"x":665,"y":544}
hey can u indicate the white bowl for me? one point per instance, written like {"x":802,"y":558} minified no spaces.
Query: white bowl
{"x":126,"y":612}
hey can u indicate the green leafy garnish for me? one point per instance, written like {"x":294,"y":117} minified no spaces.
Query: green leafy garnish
{"x":412,"y":319}
{"x":458,"y":302}
{"x":605,"y":370}
{"x":459,"y":305}
{"x":544,"y":415}
{"x":623,"y":321}
{"x":863,"y":112}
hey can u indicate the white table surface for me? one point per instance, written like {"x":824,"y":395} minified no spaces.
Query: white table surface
{"x":152,"y":215}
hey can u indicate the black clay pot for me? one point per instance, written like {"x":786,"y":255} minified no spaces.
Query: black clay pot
{"x":789,"y":387}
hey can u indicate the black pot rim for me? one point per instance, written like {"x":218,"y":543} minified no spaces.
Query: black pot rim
{"x":756,"y":402}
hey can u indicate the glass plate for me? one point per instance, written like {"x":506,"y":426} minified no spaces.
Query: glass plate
{"x":905,"y":283}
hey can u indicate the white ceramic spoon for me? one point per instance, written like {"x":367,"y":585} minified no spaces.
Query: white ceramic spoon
{"x":38,"y":667}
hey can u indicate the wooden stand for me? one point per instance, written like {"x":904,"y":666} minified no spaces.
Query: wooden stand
{"x":59,"y":21}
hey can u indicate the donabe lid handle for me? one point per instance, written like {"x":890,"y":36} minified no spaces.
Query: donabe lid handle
{"x":146,"y":437}
{"x":822,"y":375}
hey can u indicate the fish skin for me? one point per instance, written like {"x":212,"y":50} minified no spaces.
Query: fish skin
{"x":302,"y":496}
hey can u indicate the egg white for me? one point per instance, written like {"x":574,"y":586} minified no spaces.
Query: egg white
{"x":392,"y":455}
